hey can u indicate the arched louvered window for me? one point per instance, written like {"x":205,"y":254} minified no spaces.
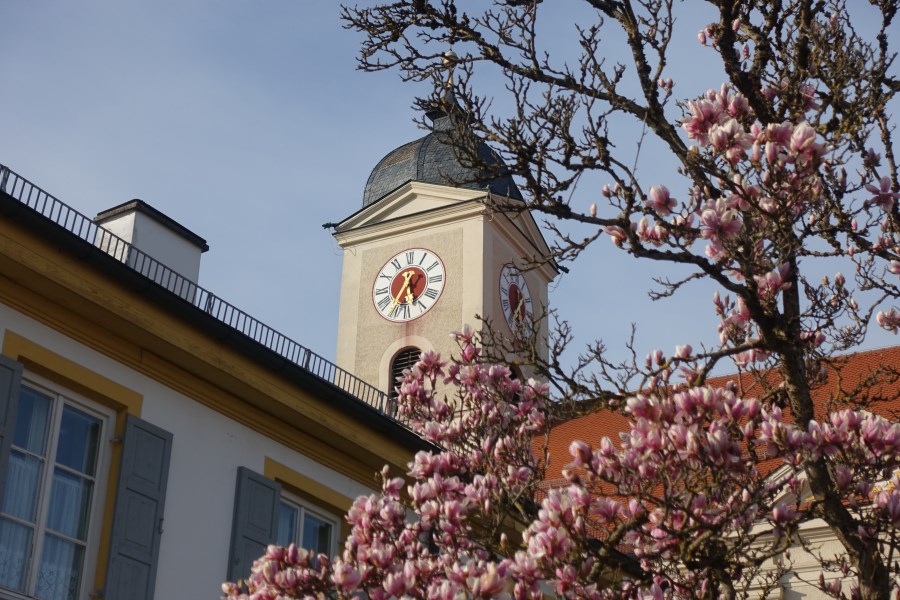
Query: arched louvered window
{"x":404,"y":360}
{"x":515,"y":374}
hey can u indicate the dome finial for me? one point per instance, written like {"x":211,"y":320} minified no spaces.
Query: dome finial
{"x":450,"y":60}
{"x":448,"y":103}
{"x":434,"y":158}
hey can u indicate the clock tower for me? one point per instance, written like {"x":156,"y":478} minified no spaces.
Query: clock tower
{"x":425,"y":254}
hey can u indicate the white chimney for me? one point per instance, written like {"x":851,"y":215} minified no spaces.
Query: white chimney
{"x":158,"y":237}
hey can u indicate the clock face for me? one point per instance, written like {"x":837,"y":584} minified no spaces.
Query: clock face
{"x":515,"y":299}
{"x":408,"y":285}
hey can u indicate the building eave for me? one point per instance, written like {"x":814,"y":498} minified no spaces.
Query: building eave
{"x":120,"y":276}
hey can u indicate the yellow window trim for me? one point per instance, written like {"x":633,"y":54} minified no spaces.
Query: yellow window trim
{"x":72,"y":375}
{"x":98,"y":388}
{"x":310,"y":490}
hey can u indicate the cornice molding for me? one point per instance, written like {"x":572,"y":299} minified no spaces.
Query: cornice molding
{"x":403,"y":195}
{"x":452,"y":213}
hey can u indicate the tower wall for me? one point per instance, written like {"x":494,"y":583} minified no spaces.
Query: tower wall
{"x":473,"y":243}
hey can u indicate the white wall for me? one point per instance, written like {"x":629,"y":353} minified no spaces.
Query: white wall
{"x":207,"y":450}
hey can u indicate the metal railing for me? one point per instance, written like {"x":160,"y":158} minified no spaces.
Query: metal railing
{"x":85,"y":228}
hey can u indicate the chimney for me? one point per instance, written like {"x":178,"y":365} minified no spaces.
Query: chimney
{"x":169,"y":252}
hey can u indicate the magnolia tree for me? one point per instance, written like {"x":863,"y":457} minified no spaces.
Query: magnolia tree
{"x":679,"y":508}
{"x":787,"y":164}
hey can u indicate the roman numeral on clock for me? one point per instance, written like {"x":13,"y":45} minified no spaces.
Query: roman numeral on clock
{"x":400,"y":311}
{"x":430,"y":293}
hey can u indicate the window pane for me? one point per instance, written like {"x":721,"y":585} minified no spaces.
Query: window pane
{"x":70,"y":504}
{"x":316,"y":534}
{"x":287,"y":525}
{"x":79,"y":434}
{"x":32,"y":417}
{"x":22,"y":479}
{"x":60,"y":571}
{"x":15,"y":542}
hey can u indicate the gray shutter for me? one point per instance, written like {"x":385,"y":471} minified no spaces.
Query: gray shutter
{"x":255,"y":522}
{"x":10,"y":380}
{"x":138,"y":517}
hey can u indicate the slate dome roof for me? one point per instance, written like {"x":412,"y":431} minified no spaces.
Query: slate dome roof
{"x":432,"y":159}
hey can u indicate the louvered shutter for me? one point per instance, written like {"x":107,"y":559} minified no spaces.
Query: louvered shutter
{"x":138,"y":516}
{"x":10,"y":380}
{"x":255,"y":522}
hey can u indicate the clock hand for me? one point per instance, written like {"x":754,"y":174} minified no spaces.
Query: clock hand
{"x":517,"y":314}
{"x":406,"y":277}
{"x":409,"y":290}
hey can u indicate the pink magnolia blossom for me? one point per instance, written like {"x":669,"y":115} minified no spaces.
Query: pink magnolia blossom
{"x":889,"y":320}
{"x":803,"y":147}
{"x":808,"y":92}
{"x":773,"y":282}
{"x":704,"y":115}
{"x":730,"y":139}
{"x":660,"y":201}
{"x":654,"y":235}
{"x":882,"y":196}
{"x":719,"y":222}
{"x":683,"y":351}
{"x":617,"y":234}
{"x":887,"y":504}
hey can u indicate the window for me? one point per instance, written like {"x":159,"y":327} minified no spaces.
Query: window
{"x":306,"y":527}
{"x":53,"y":481}
{"x":404,"y":360}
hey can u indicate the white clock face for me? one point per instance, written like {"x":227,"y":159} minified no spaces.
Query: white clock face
{"x":408,"y":285}
{"x":515,"y":299}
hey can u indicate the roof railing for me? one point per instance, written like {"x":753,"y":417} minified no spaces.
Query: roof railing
{"x":86,"y":229}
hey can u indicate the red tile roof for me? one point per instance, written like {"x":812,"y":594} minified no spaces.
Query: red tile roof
{"x":869,"y":380}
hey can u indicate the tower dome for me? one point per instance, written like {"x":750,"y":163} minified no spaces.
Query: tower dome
{"x":433,"y":159}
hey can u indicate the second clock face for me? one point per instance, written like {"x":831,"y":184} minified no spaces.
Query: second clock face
{"x":408,"y":285}
{"x":515,"y":299}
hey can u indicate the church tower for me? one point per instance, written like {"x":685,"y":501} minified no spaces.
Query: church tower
{"x":425,"y":255}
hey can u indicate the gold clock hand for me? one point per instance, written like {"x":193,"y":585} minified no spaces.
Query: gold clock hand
{"x":517,"y":315}
{"x":409,"y":290}
{"x":405,"y":285}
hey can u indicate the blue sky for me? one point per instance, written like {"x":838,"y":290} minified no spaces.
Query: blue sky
{"x":247,"y":122}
